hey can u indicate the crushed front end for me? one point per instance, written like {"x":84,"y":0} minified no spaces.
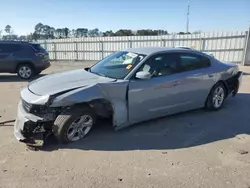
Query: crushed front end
{"x":34,"y":121}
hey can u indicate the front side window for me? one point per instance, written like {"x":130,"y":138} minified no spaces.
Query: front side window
{"x":9,"y":48}
{"x":160,"y":65}
{"x":118,"y":65}
{"x":192,"y":62}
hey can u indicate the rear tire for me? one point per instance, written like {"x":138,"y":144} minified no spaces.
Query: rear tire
{"x":70,"y":125}
{"x":216,"y":97}
{"x":25,"y":71}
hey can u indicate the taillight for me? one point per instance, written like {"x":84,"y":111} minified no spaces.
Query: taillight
{"x":41,"y":55}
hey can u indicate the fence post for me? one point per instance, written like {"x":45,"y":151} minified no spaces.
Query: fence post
{"x":129,"y":44}
{"x":76,"y":50}
{"x":246,"y":52}
{"x":173,"y":38}
{"x":55,"y":51}
{"x":102,"y":53}
{"x":163,"y":42}
{"x":45,"y":45}
{"x":203,"y":44}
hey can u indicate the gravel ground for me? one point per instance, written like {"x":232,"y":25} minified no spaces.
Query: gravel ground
{"x":193,"y":149}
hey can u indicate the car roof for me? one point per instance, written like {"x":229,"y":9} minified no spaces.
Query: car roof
{"x":152,"y":50}
{"x":14,"y":42}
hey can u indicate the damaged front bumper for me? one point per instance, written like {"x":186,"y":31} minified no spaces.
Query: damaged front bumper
{"x":28,"y":128}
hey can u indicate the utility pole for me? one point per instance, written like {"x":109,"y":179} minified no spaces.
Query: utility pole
{"x":187,"y":30}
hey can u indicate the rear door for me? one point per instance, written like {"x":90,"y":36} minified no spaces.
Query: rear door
{"x":8,"y":56}
{"x":197,"y":78}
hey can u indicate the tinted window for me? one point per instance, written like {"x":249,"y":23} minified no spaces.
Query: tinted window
{"x":162,"y":64}
{"x":37,"y":47}
{"x":192,"y":62}
{"x":9,"y":48}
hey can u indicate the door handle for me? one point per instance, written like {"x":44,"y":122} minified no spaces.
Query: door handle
{"x":210,"y":75}
{"x":175,"y":83}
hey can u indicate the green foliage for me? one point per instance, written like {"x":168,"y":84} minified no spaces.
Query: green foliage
{"x":43,"y":32}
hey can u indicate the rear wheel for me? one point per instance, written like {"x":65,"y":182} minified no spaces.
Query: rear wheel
{"x":74,"y":124}
{"x":25,"y":71}
{"x":216,"y":97}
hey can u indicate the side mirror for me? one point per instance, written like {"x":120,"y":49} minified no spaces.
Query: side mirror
{"x":143,"y":75}
{"x":87,"y":68}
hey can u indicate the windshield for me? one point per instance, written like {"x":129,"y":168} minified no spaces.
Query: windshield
{"x":117,"y":65}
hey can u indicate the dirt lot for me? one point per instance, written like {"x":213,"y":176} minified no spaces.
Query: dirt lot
{"x":194,"y":149}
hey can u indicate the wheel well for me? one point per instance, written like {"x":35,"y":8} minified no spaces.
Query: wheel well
{"x":24,"y":63}
{"x":102,"y":107}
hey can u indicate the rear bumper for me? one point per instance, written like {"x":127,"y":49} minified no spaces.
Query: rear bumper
{"x":42,"y":66}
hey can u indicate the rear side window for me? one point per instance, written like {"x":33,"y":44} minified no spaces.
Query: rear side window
{"x":192,"y":62}
{"x":9,"y":48}
{"x":37,"y":47}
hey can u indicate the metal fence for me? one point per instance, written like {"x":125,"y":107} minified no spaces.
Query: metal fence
{"x":226,"y":46}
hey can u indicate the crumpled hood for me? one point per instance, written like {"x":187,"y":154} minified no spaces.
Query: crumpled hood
{"x":58,"y":82}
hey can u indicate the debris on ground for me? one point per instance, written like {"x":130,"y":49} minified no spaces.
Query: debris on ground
{"x":242,"y":152}
{"x":119,"y":179}
{"x":9,"y":121}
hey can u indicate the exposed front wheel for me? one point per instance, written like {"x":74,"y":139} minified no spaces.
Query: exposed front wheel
{"x":73,"y":125}
{"x":25,"y":71}
{"x":216,"y":97}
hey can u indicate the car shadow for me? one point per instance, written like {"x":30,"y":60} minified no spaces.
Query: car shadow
{"x":179,"y":131}
{"x":15,"y":78}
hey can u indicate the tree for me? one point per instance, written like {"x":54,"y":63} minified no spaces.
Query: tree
{"x":94,"y":32}
{"x":10,"y":37}
{"x":59,"y":33}
{"x":66,"y":32}
{"x":45,"y":31}
{"x":181,"y":33}
{"x":81,"y":32}
{"x":73,"y":33}
{"x":124,"y":32}
{"x":22,"y":37}
{"x":197,"y":32}
{"x":31,"y":37}
{"x":108,"y":33}
{"x":7,"y":29}
{"x":52,"y":32}
{"x":39,"y":29}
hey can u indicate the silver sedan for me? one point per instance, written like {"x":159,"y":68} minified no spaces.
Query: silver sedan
{"x":128,"y":86}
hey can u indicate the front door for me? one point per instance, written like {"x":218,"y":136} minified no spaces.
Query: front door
{"x":158,"y":96}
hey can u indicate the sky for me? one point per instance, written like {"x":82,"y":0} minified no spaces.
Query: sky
{"x":170,"y":15}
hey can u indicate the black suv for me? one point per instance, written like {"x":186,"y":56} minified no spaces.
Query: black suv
{"x":24,"y":58}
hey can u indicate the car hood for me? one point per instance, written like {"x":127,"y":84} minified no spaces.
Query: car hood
{"x":59,"y":82}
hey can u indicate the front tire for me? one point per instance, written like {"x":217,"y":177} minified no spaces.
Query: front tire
{"x":25,"y":71}
{"x":216,"y":97}
{"x":74,"y":124}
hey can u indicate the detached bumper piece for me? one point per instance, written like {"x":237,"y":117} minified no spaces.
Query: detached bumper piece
{"x":234,"y":83}
{"x":33,"y":133}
